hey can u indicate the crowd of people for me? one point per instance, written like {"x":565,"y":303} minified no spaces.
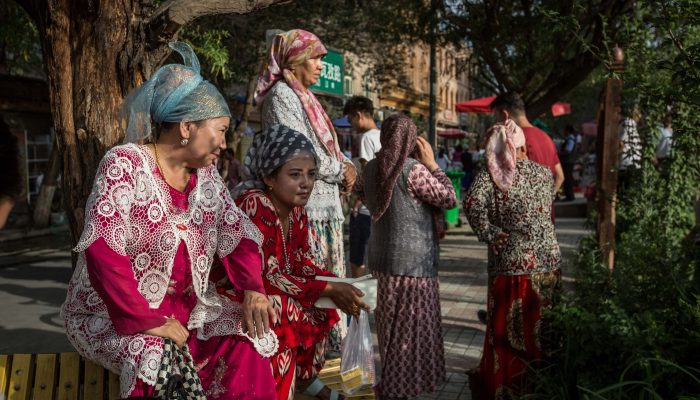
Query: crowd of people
{"x":187,"y":250}
{"x":185,"y":246}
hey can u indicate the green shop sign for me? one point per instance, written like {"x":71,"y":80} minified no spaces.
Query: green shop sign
{"x":331,"y":80}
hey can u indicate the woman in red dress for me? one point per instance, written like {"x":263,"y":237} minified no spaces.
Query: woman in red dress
{"x":280,"y":170}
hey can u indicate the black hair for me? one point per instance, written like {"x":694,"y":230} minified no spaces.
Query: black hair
{"x":511,"y":102}
{"x":359,"y":104}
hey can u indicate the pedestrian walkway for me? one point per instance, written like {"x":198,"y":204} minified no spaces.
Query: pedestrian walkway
{"x":463,"y":281}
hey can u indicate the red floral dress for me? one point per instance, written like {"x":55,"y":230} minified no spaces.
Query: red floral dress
{"x":289,"y":278}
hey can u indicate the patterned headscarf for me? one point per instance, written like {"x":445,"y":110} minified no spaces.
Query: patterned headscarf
{"x":398,"y":139}
{"x":270,"y":150}
{"x":287,"y":50}
{"x":503,"y":141}
{"x":174,"y":93}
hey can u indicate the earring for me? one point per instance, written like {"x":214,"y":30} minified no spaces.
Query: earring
{"x":184,"y":142}
{"x":269,"y":188}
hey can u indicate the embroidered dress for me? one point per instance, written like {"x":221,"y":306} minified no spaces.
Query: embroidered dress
{"x":522,"y":277}
{"x":148,"y":251}
{"x":288,"y":275}
{"x":325,"y":214}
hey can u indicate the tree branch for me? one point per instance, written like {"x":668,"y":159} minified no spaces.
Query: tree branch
{"x":174,"y":14}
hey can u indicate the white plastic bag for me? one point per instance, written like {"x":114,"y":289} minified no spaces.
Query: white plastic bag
{"x":357,"y":359}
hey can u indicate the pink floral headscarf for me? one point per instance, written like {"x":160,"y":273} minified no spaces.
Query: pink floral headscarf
{"x":292,"y":48}
{"x":503,"y":141}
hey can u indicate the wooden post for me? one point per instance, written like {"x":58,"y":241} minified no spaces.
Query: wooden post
{"x":607,"y":158}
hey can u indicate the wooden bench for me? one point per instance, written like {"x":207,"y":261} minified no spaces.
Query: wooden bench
{"x":67,"y":376}
{"x":64,"y":376}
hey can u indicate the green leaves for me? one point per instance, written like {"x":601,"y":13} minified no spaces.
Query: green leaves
{"x":210,"y":45}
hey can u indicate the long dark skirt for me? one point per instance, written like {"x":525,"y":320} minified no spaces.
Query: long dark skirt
{"x":409,"y":327}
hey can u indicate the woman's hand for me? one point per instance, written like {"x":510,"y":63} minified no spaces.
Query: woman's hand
{"x":346,"y":296}
{"x":500,"y":242}
{"x":257,"y":312}
{"x":424,"y":154}
{"x":172,"y":329}
{"x":350,"y":176}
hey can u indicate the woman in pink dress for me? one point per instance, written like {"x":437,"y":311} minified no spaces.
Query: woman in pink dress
{"x":157,"y":219}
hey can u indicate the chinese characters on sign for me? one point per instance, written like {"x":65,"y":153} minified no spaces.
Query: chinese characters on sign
{"x":331,"y":80}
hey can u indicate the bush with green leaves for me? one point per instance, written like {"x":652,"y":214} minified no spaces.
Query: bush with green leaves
{"x":634,"y":332}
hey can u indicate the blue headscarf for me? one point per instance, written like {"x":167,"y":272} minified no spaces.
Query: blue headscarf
{"x":174,"y":93}
{"x":270,"y":150}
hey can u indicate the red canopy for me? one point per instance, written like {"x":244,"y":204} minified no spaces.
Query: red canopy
{"x":560,"y":108}
{"x":475,"y":106}
{"x":451,"y":133}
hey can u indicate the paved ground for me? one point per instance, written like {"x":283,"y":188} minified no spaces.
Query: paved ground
{"x":34,"y":273}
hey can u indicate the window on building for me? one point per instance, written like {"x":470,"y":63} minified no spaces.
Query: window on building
{"x":347,"y":85}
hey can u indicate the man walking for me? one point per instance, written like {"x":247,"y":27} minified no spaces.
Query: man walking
{"x":360,"y":113}
{"x":540,"y":147}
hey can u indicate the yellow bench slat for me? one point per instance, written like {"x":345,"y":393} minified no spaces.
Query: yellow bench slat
{"x":69,"y":376}
{"x":5,"y":361}
{"x":93,"y":383}
{"x":20,"y":377}
{"x":45,"y":377}
{"x":113,"y":386}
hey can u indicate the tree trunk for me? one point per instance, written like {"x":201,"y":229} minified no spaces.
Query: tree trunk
{"x":94,"y":53}
{"x":245,"y":115}
{"x":42,"y":208}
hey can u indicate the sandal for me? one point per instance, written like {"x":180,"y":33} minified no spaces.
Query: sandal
{"x":317,"y":386}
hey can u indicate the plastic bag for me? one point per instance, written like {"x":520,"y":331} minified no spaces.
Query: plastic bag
{"x":357,"y":359}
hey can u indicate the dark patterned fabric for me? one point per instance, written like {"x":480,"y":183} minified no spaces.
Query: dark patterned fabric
{"x":268,"y":152}
{"x":185,"y":385}
{"x":405,"y":221}
{"x":523,"y":212}
{"x":409,"y":327}
{"x":398,"y":138}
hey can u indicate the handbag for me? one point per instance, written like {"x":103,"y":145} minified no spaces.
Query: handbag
{"x":184,"y":385}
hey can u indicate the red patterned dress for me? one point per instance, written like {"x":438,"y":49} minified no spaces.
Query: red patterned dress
{"x":289,"y":278}
{"x":522,"y":277}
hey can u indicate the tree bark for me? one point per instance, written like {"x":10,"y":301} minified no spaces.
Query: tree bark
{"x":94,"y":53}
{"x":245,"y":115}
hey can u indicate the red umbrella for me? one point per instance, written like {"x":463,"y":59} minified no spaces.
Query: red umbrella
{"x":475,"y":106}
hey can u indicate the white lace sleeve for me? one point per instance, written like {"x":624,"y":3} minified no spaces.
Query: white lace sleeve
{"x":107,"y":210}
{"x":234,"y":226}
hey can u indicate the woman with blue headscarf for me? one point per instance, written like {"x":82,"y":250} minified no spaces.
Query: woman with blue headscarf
{"x":157,"y":219}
